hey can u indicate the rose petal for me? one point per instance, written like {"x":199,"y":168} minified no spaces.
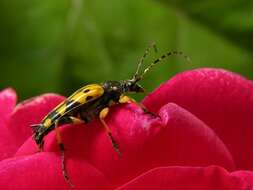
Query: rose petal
{"x":223,"y":100}
{"x":179,"y":138}
{"x":146,"y":142}
{"x":78,"y":140}
{"x":190,"y":178}
{"x":247,"y":176}
{"x":7,"y":147}
{"x":31,"y":112}
{"x":43,"y":171}
{"x":8,"y":100}
{"x":7,"y":104}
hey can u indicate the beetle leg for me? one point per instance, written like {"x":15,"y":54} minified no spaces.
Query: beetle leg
{"x":102,"y":116}
{"x":126,"y":99}
{"x":62,"y":150}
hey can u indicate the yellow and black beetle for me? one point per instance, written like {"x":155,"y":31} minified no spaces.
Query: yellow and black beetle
{"x":89,"y":102}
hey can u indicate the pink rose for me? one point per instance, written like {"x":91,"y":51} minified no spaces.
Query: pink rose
{"x":202,"y":140}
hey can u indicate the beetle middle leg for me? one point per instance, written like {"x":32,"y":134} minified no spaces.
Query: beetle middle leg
{"x":65,"y":120}
{"x":102,"y":116}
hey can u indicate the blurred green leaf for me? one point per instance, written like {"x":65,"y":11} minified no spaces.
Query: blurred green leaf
{"x":58,"y":46}
{"x":31,"y":34}
{"x":232,"y":19}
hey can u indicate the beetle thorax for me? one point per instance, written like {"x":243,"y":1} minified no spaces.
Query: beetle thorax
{"x":113,"y":88}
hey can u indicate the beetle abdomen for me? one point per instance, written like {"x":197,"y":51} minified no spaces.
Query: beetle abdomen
{"x":71,"y":104}
{"x":39,"y":132}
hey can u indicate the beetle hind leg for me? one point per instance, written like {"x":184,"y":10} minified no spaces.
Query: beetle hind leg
{"x":65,"y":120}
{"x":62,"y":150}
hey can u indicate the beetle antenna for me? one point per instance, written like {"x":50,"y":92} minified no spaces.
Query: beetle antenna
{"x":158,"y":60}
{"x":151,"y":46}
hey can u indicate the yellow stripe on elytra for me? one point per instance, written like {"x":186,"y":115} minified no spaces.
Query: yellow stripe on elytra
{"x":47,"y":123}
{"x":80,"y":96}
{"x":62,"y":109}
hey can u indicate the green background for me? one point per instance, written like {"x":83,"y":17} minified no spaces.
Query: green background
{"x":61,"y":45}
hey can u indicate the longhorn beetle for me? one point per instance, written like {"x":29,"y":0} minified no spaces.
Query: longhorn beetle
{"x":90,"y":102}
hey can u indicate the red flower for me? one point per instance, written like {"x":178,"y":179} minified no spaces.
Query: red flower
{"x":202,"y":140}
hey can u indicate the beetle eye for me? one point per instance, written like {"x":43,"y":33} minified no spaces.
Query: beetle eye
{"x":105,"y":85}
{"x":114,"y":88}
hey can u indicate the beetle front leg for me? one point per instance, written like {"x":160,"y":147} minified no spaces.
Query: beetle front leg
{"x":102,"y":116}
{"x":126,"y":99}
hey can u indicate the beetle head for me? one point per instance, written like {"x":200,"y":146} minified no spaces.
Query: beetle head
{"x":120,"y":87}
{"x":131,"y":86}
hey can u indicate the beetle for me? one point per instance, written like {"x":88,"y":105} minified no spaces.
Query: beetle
{"x":90,"y":102}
